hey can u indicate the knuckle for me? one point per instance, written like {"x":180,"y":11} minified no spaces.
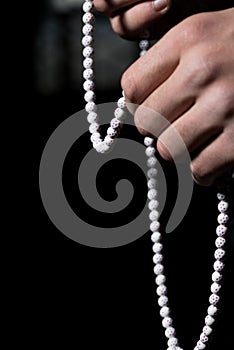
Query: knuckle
{"x":101,"y":6}
{"x":119,"y":26}
{"x":201,"y":175}
{"x":129,"y":86}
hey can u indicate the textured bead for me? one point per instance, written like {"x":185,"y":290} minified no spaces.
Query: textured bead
{"x":152,"y":194}
{"x":89,"y":96}
{"x":154,"y":215}
{"x":173,"y":341}
{"x":215,"y":287}
{"x":200,"y":345}
{"x":162,"y":300}
{"x":90,"y":107}
{"x":156,"y":236}
{"x":119,"y":114}
{"x":219,"y":254}
{"x":150,"y":151}
{"x":121,"y":102}
{"x":220,"y":196}
{"x":214,"y":299}
{"x":157,"y":247}
{"x":167,"y":322}
{"x":151,"y":162}
{"x":115,"y":123}
{"x":170,"y":332}
{"x":87,"y":29}
{"x":209,"y":320}
{"x":212,"y":310}
{"x":153,"y":204}
{"x":87,"y":6}
{"x":223,"y":218}
{"x":164,"y":311}
{"x":88,"y":85}
{"x":148,"y":141}
{"x":88,"y":63}
{"x":87,"y":40}
{"x":152,"y":172}
{"x":223,"y":206}
{"x":92,"y":117}
{"x":109,"y":141}
{"x":151,"y":183}
{"x":88,"y":18}
{"x":102,"y":147}
{"x":93,"y":128}
{"x":157,"y":258}
{"x":111,"y":132}
{"x":162,"y":290}
{"x":207,"y":330}
{"x":160,"y":279}
{"x":203,"y":338}
{"x":216,"y":276}
{"x":95,"y":137}
{"x":88,"y":73}
{"x":219,"y":242}
{"x":142,"y":52}
{"x":221,"y":230}
{"x":218,"y":265}
{"x":154,"y":226}
{"x":88,"y":51}
{"x":158,"y":269}
{"x":144,"y":44}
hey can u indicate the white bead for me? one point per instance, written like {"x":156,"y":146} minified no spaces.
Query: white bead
{"x":215,"y":287}
{"x":153,"y":204}
{"x":156,"y":236}
{"x":87,"y":40}
{"x":121,"y":102}
{"x":93,"y":128}
{"x":221,"y":230}
{"x":220,"y":196}
{"x":152,"y":194}
{"x":172,"y":341}
{"x":164,"y":311}
{"x":219,"y":242}
{"x":154,"y":226}
{"x":88,"y":73}
{"x":102,"y":147}
{"x":212,"y":310}
{"x":157,"y":258}
{"x":88,"y":63}
{"x":209,"y":320}
{"x":150,"y":151}
{"x":115,"y":123}
{"x":87,"y":29}
{"x":148,"y":141}
{"x":219,"y":254}
{"x":144,"y":44}
{"x":223,"y":218}
{"x":218,"y":265}
{"x":160,"y":279}
{"x":152,"y":172}
{"x":90,"y":107}
{"x":92,"y":117}
{"x":108,"y":140}
{"x":151,"y":162}
{"x":157,"y":247}
{"x":151,"y":183}
{"x":207,"y":330}
{"x":142,"y":52}
{"x":119,"y":114}
{"x":111,"y":132}
{"x":216,"y":276}
{"x":158,"y":269}
{"x":88,"y":85}
{"x":162,"y":300}
{"x":96,"y":143}
{"x":170,"y":332}
{"x":87,"y":6}
{"x":154,"y":215}
{"x":167,"y":322}
{"x":162,"y":290}
{"x":200,"y":345}
{"x":214,"y":299}
{"x":223,"y":206}
{"x":95,"y":137}
{"x":203,"y":338}
{"x":88,"y":51}
{"x":88,"y":18}
{"x":89,"y":96}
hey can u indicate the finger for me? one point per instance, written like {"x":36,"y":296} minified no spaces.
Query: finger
{"x":111,"y":6}
{"x":132,"y":21}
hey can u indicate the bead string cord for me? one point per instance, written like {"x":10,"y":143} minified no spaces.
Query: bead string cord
{"x":104,"y":145}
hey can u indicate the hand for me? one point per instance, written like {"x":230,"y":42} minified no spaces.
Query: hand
{"x":136,"y":19}
{"x":188,"y":77}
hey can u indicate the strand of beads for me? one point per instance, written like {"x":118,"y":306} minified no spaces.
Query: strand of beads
{"x":101,"y":146}
{"x":160,"y":280}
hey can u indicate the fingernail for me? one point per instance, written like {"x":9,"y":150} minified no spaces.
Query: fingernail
{"x":160,"y":5}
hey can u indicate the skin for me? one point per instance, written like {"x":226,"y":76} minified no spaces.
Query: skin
{"x":191,"y":66}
